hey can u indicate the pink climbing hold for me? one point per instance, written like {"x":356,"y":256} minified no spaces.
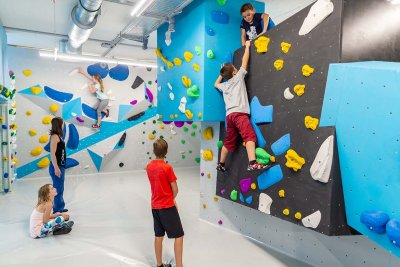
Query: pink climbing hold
{"x":80,"y":119}
{"x":219,"y":222}
{"x":202,"y":174}
{"x":245,"y":184}
{"x":222,"y":191}
{"x":133,"y":102}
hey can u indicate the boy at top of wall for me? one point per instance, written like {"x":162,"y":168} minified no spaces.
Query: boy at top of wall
{"x":237,"y":112}
{"x":251,"y":24}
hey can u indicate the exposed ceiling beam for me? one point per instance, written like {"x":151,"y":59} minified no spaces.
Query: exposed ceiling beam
{"x":123,"y":2}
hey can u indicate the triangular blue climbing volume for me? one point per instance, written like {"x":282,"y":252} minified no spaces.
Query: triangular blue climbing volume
{"x":97,"y":160}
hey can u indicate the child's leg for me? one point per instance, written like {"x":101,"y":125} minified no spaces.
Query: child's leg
{"x":251,"y":150}
{"x":158,"y":249}
{"x":102,"y":105}
{"x":249,"y":136}
{"x":178,"y":248}
{"x":50,"y":225}
{"x":230,"y":139}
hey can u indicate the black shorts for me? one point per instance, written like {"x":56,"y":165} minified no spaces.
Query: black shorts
{"x":167,"y":220}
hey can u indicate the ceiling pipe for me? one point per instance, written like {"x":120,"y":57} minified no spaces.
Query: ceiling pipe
{"x":83,"y":19}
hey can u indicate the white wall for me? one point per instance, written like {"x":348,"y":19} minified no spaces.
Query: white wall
{"x":280,"y":10}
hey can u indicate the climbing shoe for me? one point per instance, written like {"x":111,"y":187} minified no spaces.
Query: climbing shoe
{"x":63,"y":230}
{"x":257,"y":166}
{"x":221,"y":168}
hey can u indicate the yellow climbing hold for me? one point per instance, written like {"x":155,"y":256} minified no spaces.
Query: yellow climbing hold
{"x":28,"y":113}
{"x":208,"y":133}
{"x":53,"y":108}
{"x":207,"y":155}
{"x":15,"y":161}
{"x":151,"y":136}
{"x":43,"y":163}
{"x":298,"y":215}
{"x":204,"y":206}
{"x":171,"y":116}
{"x":189,"y":114}
{"x":177,"y":61}
{"x":14,"y":105}
{"x":253,"y":186}
{"x":311,"y":123}
{"x":5,"y":158}
{"x":1,"y":119}
{"x":162,"y":57}
{"x":293,"y":160}
{"x":272,"y":159}
{"x":161,"y":126}
{"x":160,"y":116}
{"x":36,"y":151}
{"x":209,"y":176}
{"x":186,"y":81}
{"x":196,"y":67}
{"x":281,"y":193}
{"x":215,"y":198}
{"x":199,"y":115}
{"x":307,"y":70}
{"x":36,"y":90}
{"x":27,"y":73}
{"x":286,"y":212}
{"x":32,"y":132}
{"x":188,"y":56}
{"x":299,"y":89}
{"x":44,"y":139}
{"x":278,"y":64}
{"x":176,"y":116}
{"x":46,"y":120}
{"x":14,"y":126}
{"x":285,"y":47}
{"x":262,"y":44}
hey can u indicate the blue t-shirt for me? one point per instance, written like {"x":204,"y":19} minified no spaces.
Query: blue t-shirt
{"x":254,"y":29}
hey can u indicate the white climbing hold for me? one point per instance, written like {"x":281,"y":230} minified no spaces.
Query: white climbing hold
{"x":321,"y":167}
{"x":318,"y":12}
{"x":169,"y":86}
{"x":159,"y":88}
{"x":86,"y":167}
{"x":312,"y":220}
{"x":287,"y":94}
{"x":162,"y":68}
{"x":182,"y":105}
{"x":264,"y":203}
{"x":173,"y":132}
{"x":171,"y":96}
{"x":73,"y":114}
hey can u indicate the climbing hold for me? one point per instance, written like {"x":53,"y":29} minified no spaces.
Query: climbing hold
{"x":121,"y":164}
{"x":5,"y":158}
{"x":53,"y":108}
{"x":177,"y":61}
{"x":197,"y":160}
{"x":307,"y":70}
{"x":36,"y":151}
{"x":278,"y":64}
{"x":293,"y":160}
{"x":137,"y":116}
{"x":14,"y":126}
{"x":188,"y":114}
{"x":27,"y":73}
{"x":98,"y":68}
{"x":196,"y":67}
{"x":321,"y":167}
{"x":253,"y":186}
{"x":44,"y":139}
{"x":281,"y":193}
{"x":194,"y":126}
{"x":70,"y":163}
{"x":199,"y":115}
{"x":220,"y":17}
{"x":32,"y":132}
{"x":15,"y":161}
{"x":186,"y":81}
{"x":262,"y":156}
{"x":182,"y":105}
{"x":270,"y":177}
{"x":73,"y":139}
{"x":185,"y":129}
{"x":245,"y":185}
{"x":138,"y":81}
{"x":260,"y":113}
{"x":119,"y":72}
{"x":57,"y":95}
{"x":220,"y":144}
{"x":375,"y":221}
{"x":79,"y":119}
{"x":207,"y":155}
{"x":204,"y":206}
{"x":285,"y":47}
{"x":193,"y":91}
{"x":208,"y":133}
{"x":393,"y":231}
{"x":198,"y":50}
{"x":221,"y":2}
{"x":151,"y":136}
{"x":287,"y":94}
{"x":297,"y":215}
{"x":122,"y":139}
{"x":209,"y":175}
{"x":281,"y":145}
{"x":286,"y":212}
{"x":210,"y":31}
{"x":234,"y":194}
{"x":171,"y":96}
{"x":249,"y":199}
{"x":43,"y":163}
{"x":162,"y":57}
{"x":215,"y":198}
{"x":264,"y":203}
{"x":210,"y":54}
{"x":262,"y":44}
{"x":28,"y":113}
{"x":299,"y":89}
{"x":187,"y":56}
{"x":46,"y":120}
{"x":311,"y":123}
{"x":318,"y":12}
{"x":192,"y":133}
{"x":36,"y":90}
{"x":219,"y":222}
{"x":312,"y":220}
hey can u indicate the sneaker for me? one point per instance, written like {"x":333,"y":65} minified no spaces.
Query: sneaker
{"x":69,"y":224}
{"x":95,"y":126}
{"x":65,"y":210}
{"x":107,"y":113}
{"x":62,"y":230}
{"x":221,"y":168}
{"x":165,"y":265}
{"x":257,"y":166}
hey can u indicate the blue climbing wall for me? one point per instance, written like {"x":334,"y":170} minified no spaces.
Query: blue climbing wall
{"x":192,"y":28}
{"x":362,"y":101}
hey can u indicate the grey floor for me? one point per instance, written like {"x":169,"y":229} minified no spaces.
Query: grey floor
{"x":113,"y":227}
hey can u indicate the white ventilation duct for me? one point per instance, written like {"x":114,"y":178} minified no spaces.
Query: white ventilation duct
{"x":83,"y":19}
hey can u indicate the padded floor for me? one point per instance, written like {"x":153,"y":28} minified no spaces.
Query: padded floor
{"x":113,"y":227}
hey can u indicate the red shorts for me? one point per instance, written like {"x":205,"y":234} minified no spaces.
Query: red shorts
{"x":236,"y":123}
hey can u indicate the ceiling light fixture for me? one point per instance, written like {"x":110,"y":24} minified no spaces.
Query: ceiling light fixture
{"x":97,"y":59}
{"x":141,"y":7}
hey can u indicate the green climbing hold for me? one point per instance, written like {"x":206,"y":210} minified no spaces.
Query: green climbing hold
{"x":154,"y":121}
{"x":220,"y":144}
{"x":197,"y":49}
{"x":183,"y":142}
{"x":149,"y":157}
{"x":154,"y":132}
{"x":142,"y":143}
{"x":183,"y":157}
{"x":190,"y":151}
{"x":149,"y":82}
{"x":197,"y":160}
{"x":148,"y":153}
{"x":194,"y":126}
{"x":193,"y":133}
{"x":193,"y":91}
{"x":144,"y":123}
{"x":262,"y":156}
{"x":185,"y":129}
{"x":221,"y":2}
{"x":144,"y":132}
{"x":161,"y":137}
{"x":234,"y":195}
{"x":210,"y":54}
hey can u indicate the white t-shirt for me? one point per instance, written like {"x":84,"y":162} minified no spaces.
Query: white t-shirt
{"x":99,"y":94}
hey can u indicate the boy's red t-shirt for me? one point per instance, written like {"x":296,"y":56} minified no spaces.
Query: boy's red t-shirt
{"x":161,"y":175}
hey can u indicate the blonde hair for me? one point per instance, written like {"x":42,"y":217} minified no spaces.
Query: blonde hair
{"x":100,"y":80}
{"x":43,"y":194}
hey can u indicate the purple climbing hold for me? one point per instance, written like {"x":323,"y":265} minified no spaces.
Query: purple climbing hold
{"x":202,"y":174}
{"x":179,"y":124}
{"x":149,"y":95}
{"x":245,"y":184}
{"x":79,"y":119}
{"x":189,"y":122}
{"x":167,"y":122}
{"x":133,"y":102}
{"x":222,"y":191}
{"x":220,"y":17}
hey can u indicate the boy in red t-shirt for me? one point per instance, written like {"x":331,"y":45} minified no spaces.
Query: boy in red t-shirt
{"x":165,"y":214}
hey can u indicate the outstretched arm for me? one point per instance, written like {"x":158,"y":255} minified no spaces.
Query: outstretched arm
{"x":218,"y":81}
{"x":243,"y":37}
{"x":265,"y":18}
{"x":246,"y":55}
{"x":85,"y":74}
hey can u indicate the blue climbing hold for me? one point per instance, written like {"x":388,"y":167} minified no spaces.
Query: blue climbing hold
{"x":73,"y":140}
{"x":119,"y":72}
{"x":97,"y":160}
{"x":241,"y":197}
{"x":259,"y":113}
{"x":281,"y":145}
{"x":90,"y":112}
{"x":220,"y":17}
{"x":375,"y":220}
{"x":47,"y":147}
{"x":57,"y":95}
{"x":98,"y":68}
{"x":210,"y":31}
{"x":260,"y":138}
{"x":270,"y":177}
{"x":249,"y":200}
{"x":393,"y":231}
{"x":70,"y":162}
